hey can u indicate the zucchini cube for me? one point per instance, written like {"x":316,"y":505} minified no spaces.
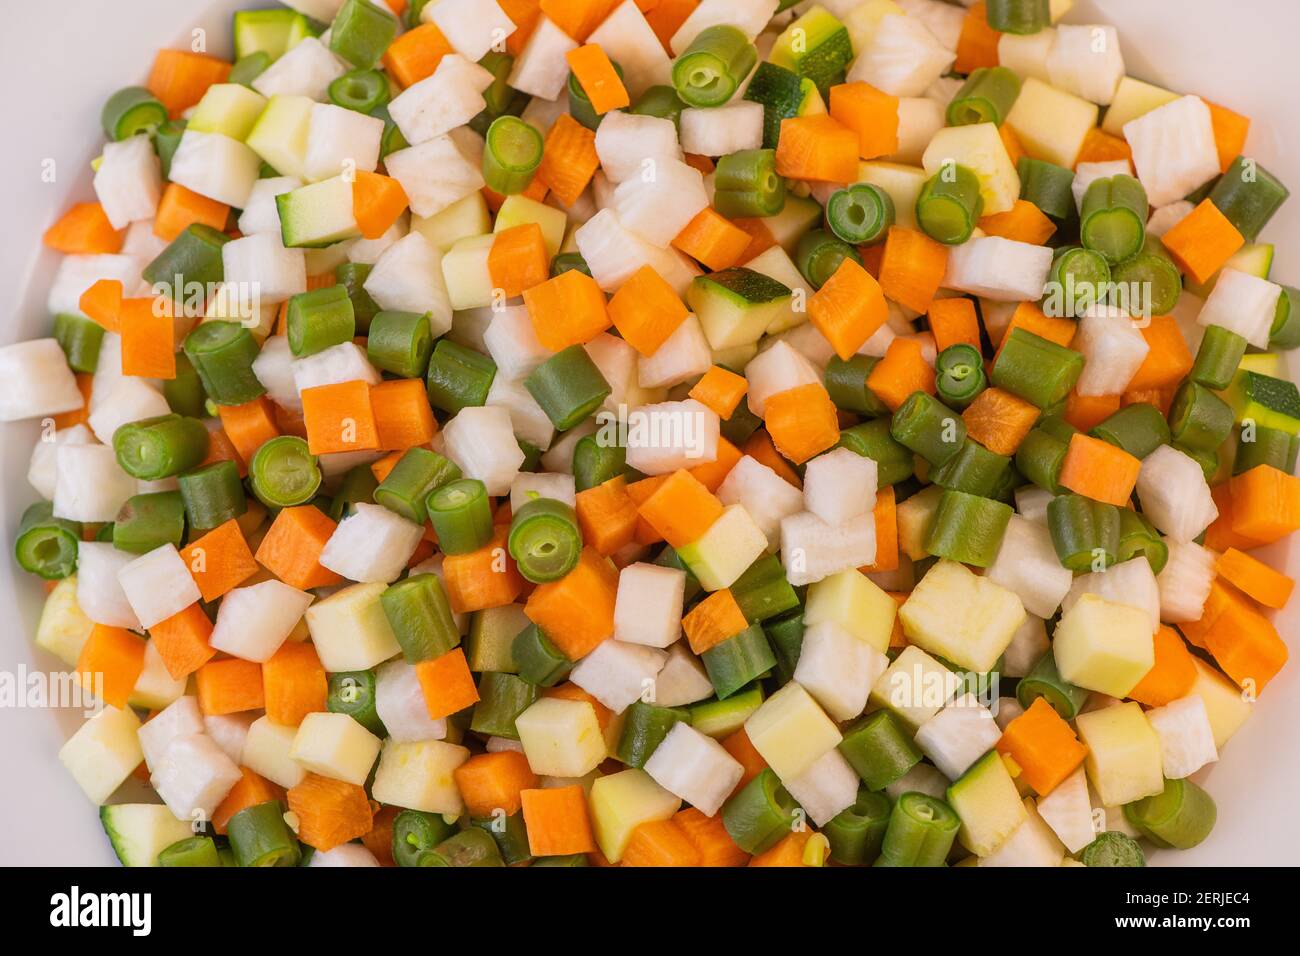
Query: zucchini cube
{"x":230,"y":109}
{"x":988,"y":803}
{"x":732,"y":543}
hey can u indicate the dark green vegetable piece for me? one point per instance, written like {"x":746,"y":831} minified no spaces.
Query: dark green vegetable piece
{"x":879,"y":749}
{"x":539,"y":661}
{"x":1045,"y":681}
{"x":130,"y":112}
{"x":959,"y":375}
{"x":408,"y":488}
{"x":415,"y":833}
{"x":1113,"y":217}
{"x":502,"y":698}
{"x":192,"y":851}
{"x":921,"y":831}
{"x":259,"y":836}
{"x":421,"y":618}
{"x":46,"y":545}
{"x":857,"y":833}
{"x":212,"y":495}
{"x":644,"y":729}
{"x":319,"y":319}
{"x":708,"y":72}
{"x":401,"y":343}
{"x":222,"y":354}
{"x":986,"y":97}
{"x":155,"y":448}
{"x":284,"y":473}
{"x":458,"y":377}
{"x":353,"y":693}
{"x":1113,"y":848}
{"x":80,"y":339}
{"x":568,"y":386}
{"x":760,"y":814}
{"x":189,"y":267}
{"x":1085,"y":533}
{"x":950,"y":204}
{"x":149,"y":521}
{"x":544,"y":540}
{"x":738,"y":660}
{"x":1248,"y":195}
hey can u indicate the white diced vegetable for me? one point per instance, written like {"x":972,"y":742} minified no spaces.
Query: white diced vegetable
{"x":340,"y":141}
{"x":261,"y":214}
{"x":618,"y":674}
{"x":1133,"y":98}
{"x":368,"y":251}
{"x":670,"y":435}
{"x":1113,"y":347}
{"x":1032,"y":501}
{"x":722,"y":130}
{"x":450,"y":97}
{"x":103,"y":752}
{"x":408,"y":278}
{"x":627,"y":143}
{"x":1175,"y":497}
{"x":541,"y":69}
{"x":1244,"y":304}
{"x":267,"y":749}
{"x":767,"y":496}
{"x":648,"y":607}
{"x":128,"y":182}
{"x":179,"y":719}
{"x":481,"y":441}
{"x":840,"y":485}
{"x":274,"y":369}
{"x":90,"y":485}
{"x":336,"y":746}
{"x":306,"y":70}
{"x":827,"y":787}
{"x":1033,"y":843}
{"x":1026,"y":55}
{"x":1168,"y":216}
{"x":99,"y":592}
{"x":683,"y":679}
{"x":158,"y":585}
{"x":617,"y":362}
{"x":350,"y":629}
{"x":919,"y":119}
{"x":473,"y":27}
{"x":194,"y":776}
{"x":1173,"y":149}
{"x":904,"y":58}
{"x":1007,"y":709}
{"x":512,"y":342}
{"x":345,"y":854}
{"x":838,"y":669}
{"x":922,"y":778}
{"x":629,"y":41}
{"x":776,"y":370}
{"x":1185,"y":581}
{"x":527,"y":417}
{"x":958,"y":735}
{"x":722,"y":554}
{"x":400,"y":704}
{"x":659,"y":205}
{"x":613,"y":253}
{"x":1027,"y":646}
{"x":995,"y":268}
{"x":229,"y":731}
{"x":812,"y":550}
{"x":1027,"y":564}
{"x":1186,"y":737}
{"x":76,"y":274}
{"x":1130,"y":582}
{"x":1087,"y":61}
{"x":372,"y":544}
{"x":694,"y":767}
{"x":215,"y":166}
{"x":944,"y":20}
{"x":435,"y":174}
{"x":123,"y":399}
{"x":254,"y":621}
{"x":35,"y":381}
{"x":1068,"y":811}
{"x":345,"y":362}
{"x":684,"y":355}
{"x":261,"y":262}
{"x":533,"y":484}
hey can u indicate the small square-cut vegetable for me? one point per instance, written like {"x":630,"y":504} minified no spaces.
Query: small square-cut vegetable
{"x":791,"y":731}
{"x":1099,"y":470}
{"x":420,"y":775}
{"x":962,"y":617}
{"x":339,"y":418}
{"x":447,"y":683}
{"x":852,"y":601}
{"x":1202,"y":241}
{"x":1123,"y":762}
{"x":802,"y":421}
{"x":1044,"y":746}
{"x":1104,"y":646}
{"x":557,"y":822}
{"x":620,"y":802}
{"x":561,"y":738}
{"x":335,"y":746}
{"x":848,"y":309}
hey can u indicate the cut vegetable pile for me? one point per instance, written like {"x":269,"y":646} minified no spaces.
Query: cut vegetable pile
{"x":661,"y":433}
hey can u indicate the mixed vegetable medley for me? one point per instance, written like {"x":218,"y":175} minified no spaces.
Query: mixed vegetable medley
{"x":661,"y":433}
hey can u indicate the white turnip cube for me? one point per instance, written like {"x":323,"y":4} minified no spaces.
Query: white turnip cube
{"x":262,"y":264}
{"x":76,"y":274}
{"x":99,"y":593}
{"x":1174,"y":149}
{"x":1086,"y":61}
{"x":129,"y":181}
{"x":254,"y":621}
{"x":158,"y":585}
{"x":435,"y":174}
{"x":775,"y":370}
{"x":1186,"y":737}
{"x":528,"y":419}
{"x":722,"y":130}
{"x":408,"y":278}
{"x":839,"y":486}
{"x":1174,"y":495}
{"x":341,"y":141}
{"x":450,"y":97}
{"x":694,"y":767}
{"x":345,"y":362}
{"x":629,"y":41}
{"x":684,"y":355}
{"x":613,"y":253}
{"x":181,"y":718}
{"x":215,"y":166}
{"x":1130,"y":582}
{"x":194,"y":776}
{"x":512,"y":342}
{"x":617,"y":674}
{"x":43,"y":472}
{"x":229,"y":731}
{"x":958,"y":735}
{"x":123,"y":400}
{"x":683,"y":679}
{"x":541,"y":68}
{"x":661,"y":202}
{"x":306,"y":70}
{"x":838,"y":669}
{"x":1185,"y":581}
{"x":811,"y":549}
{"x":400,"y":704}
{"x":481,"y":441}
{"x":1244,"y":304}
{"x":345,"y":854}
{"x":904,"y":58}
{"x":473,"y":27}
{"x":1027,"y":564}
{"x":827,"y":787}
{"x":617,"y":362}
{"x":35,"y":381}
{"x":1068,"y":811}
{"x":999,"y":269}
{"x":671,"y":435}
{"x":648,"y":608}
{"x":261,"y":213}
{"x":89,"y":484}
{"x":273,"y":367}
{"x":766,"y":496}
{"x":628,"y":143}
{"x":1114,"y":349}
{"x":371,"y":545}
{"x":747,"y":16}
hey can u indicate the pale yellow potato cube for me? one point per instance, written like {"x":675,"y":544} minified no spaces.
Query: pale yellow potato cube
{"x":1225,"y":703}
{"x":851,"y":600}
{"x":155,"y":688}
{"x":980,"y":149}
{"x":915,"y":687}
{"x":1133,"y":98}
{"x":350,"y":630}
{"x":790,"y":731}
{"x":103,"y":752}
{"x":960,"y":616}
{"x":623,"y":801}
{"x":561,"y":738}
{"x":465,"y":272}
{"x":1051,"y":123}
{"x":266,"y":752}
{"x":464,"y":217}
{"x":1103,"y":646}
{"x":418,"y":776}
{"x":64,"y":627}
{"x":1123,"y":759}
{"x":335,"y":745}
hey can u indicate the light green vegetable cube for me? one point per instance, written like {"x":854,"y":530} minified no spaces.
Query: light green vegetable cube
{"x":418,"y":775}
{"x":988,"y":803}
{"x":958,"y":615}
{"x":1225,"y":704}
{"x":335,"y":745}
{"x":103,"y":752}
{"x":1123,"y":761}
{"x":350,"y":630}
{"x":621,"y":802}
{"x":465,"y":272}
{"x":1051,"y":123}
{"x":791,"y":732}
{"x":1133,"y":98}
{"x":561,"y":738}
{"x":979,"y":148}
{"x":280,"y":134}
{"x":732,"y":543}
{"x":64,"y":627}
{"x":231,"y":109}
{"x":138,"y":832}
{"x":463,"y":218}
{"x":1104,"y":646}
{"x":852,"y":600}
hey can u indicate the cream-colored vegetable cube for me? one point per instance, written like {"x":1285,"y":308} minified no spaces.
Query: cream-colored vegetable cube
{"x":851,"y":600}
{"x":267,"y":752}
{"x":958,"y":615}
{"x":1123,"y":761}
{"x":561,"y":738}
{"x":1051,"y":123}
{"x":155,"y":688}
{"x":465,"y":217}
{"x":465,"y":272}
{"x":978,"y":147}
{"x":790,"y":731}
{"x":335,"y":745}
{"x":103,"y":752}
{"x":519,"y":210}
{"x":1133,"y":98}
{"x":915,"y":687}
{"x":621,"y":802}
{"x":1225,"y":704}
{"x":723,"y":553}
{"x":1033,"y":843}
{"x":417,"y":775}
{"x":1186,"y":737}
{"x":350,"y":630}
{"x":902,"y":183}
{"x":64,"y":627}
{"x":1104,"y":646}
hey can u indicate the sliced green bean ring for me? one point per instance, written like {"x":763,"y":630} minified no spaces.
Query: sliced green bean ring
{"x":861,"y":213}
{"x":284,"y":473}
{"x":544,"y":540}
{"x":360,"y":90}
{"x":130,"y":112}
{"x":713,"y":66}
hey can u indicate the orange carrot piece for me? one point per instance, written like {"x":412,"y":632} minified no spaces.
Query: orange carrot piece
{"x":102,"y":303}
{"x":179,"y":78}
{"x":978,"y":44}
{"x":1172,"y":675}
{"x":999,"y":420}
{"x":639,"y":491}
{"x":720,"y":390}
{"x":292,"y":547}
{"x":148,"y":338}
{"x":712,"y":240}
{"x":1015,"y":149}
{"x":569,"y":159}
{"x":447,"y":684}
{"x":221,"y":449}
{"x":220,"y":560}
{"x":646,"y":311}
{"x":607,"y":516}
{"x":250,"y":790}
{"x":901,"y":372}
{"x":330,"y":812}
{"x":848,"y":309}
{"x":567,"y":310}
{"x":682,"y":509}
{"x":817,"y":147}
{"x":339,"y":417}
{"x":110,"y":663}
{"x":1219,"y":536}
{"x":557,"y":821}
{"x":524,"y":14}
{"x":377,"y":202}
{"x":379,"y":839}
{"x":1230,"y":131}
{"x":598,"y":79}
{"x":710,"y":838}
{"x":1031,"y":318}
{"x":802,"y":422}
{"x":182,"y":641}
{"x":667,"y":16}
{"x":1101,"y":147}
{"x":871,"y":114}
{"x":403,"y":417}
{"x":660,"y":843}
{"x":494,"y":781}
{"x":703,"y":163}
{"x":84,"y":230}
{"x":1202,"y":241}
{"x":484,"y":578}
{"x":912,"y":268}
{"x":415,"y":54}
{"x":743,"y":751}
{"x":1169,"y":360}
{"x":715,"y":619}
{"x":577,"y":611}
{"x":382,"y":468}
{"x":761,"y":449}
{"x":517,"y":260}
{"x":954,"y":322}
{"x":885,"y":515}
{"x":293,"y":684}
{"x":1099,"y":470}
{"x":181,"y":208}
{"x":249,"y":426}
{"x":1085,"y":412}
{"x":1255,"y":578}
{"x":578,"y":18}
{"x":1244,"y":643}
{"x":1044,"y":746}
{"x":1265,"y":504}
{"x":229,"y":686}
{"x":788,"y":852}
{"x":1023,"y":222}
{"x":760,"y":238}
